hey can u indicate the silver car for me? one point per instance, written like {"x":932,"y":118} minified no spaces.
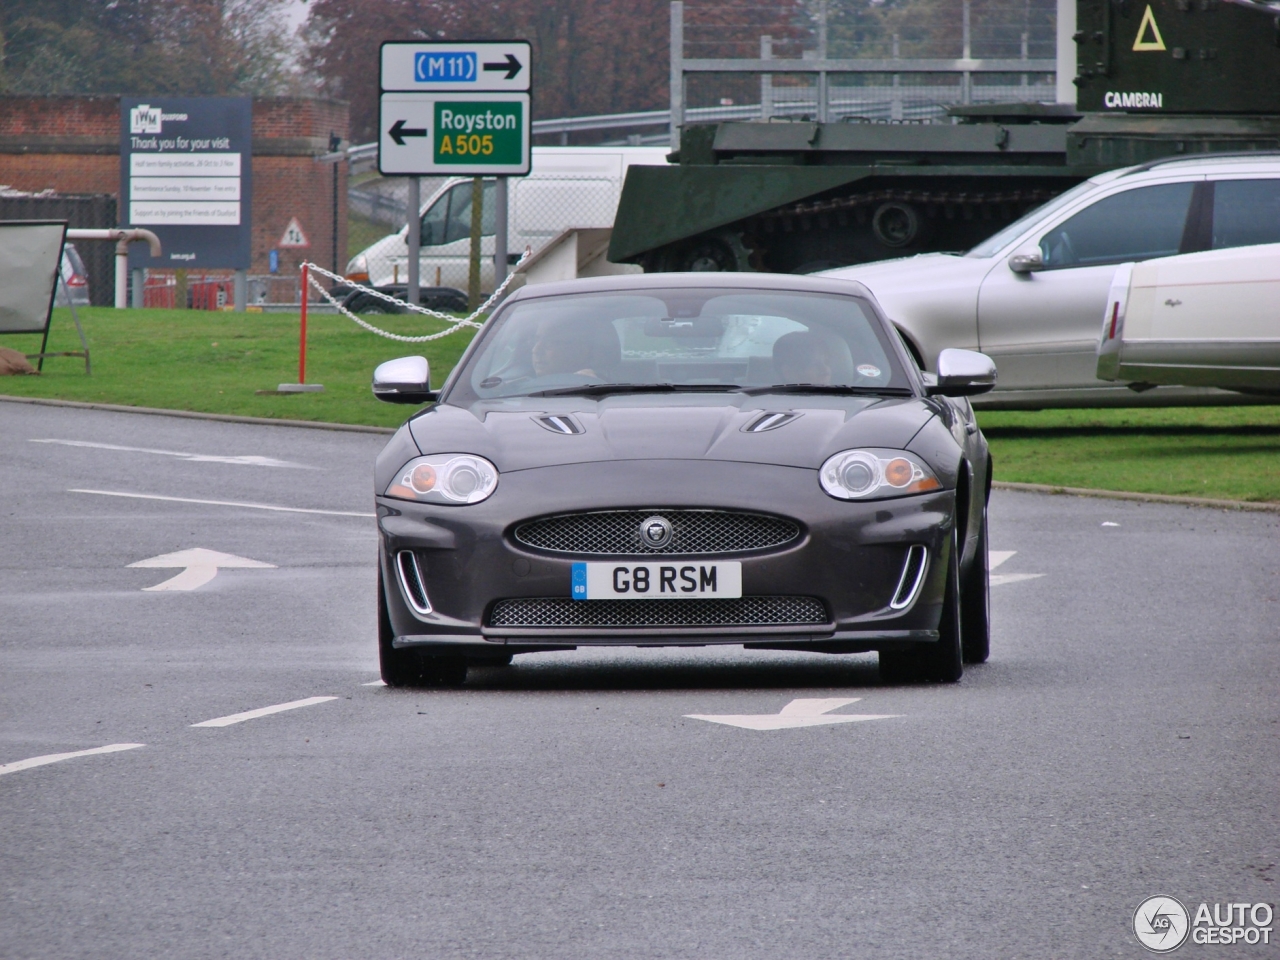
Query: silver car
{"x":1031,"y":296}
{"x":74,"y":286}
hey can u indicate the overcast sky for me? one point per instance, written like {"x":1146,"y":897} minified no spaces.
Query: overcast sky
{"x":297,"y":13}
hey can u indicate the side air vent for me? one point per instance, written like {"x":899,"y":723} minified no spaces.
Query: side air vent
{"x":912,"y":576}
{"x":415,"y":591}
{"x":769,"y":421}
{"x":560,"y":423}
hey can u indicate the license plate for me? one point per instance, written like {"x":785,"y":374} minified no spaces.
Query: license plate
{"x":656,"y":581}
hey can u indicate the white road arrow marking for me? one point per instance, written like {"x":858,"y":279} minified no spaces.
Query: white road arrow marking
{"x":58,"y":757}
{"x":248,"y":460}
{"x":1002,"y":578}
{"x":201,"y":567}
{"x":797,"y":713}
{"x":997,"y":557}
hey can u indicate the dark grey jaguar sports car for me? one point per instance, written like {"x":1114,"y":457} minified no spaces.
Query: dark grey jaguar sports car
{"x":685,"y":459}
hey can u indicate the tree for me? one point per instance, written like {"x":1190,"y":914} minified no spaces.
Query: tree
{"x":589,"y":56}
{"x":206,"y":47}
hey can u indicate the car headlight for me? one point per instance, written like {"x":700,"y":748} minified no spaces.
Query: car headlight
{"x":358,"y":269}
{"x":873,"y":474}
{"x":447,"y":478}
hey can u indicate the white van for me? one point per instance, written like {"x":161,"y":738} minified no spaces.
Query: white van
{"x":567,"y":187}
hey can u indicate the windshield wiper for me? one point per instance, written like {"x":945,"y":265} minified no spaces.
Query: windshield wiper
{"x":603,"y":389}
{"x":835,"y":388}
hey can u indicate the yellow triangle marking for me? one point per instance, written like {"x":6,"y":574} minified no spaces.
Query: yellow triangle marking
{"x":1148,"y":20}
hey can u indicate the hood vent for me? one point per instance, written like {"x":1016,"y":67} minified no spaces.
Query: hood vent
{"x":769,"y":421}
{"x":560,"y":423}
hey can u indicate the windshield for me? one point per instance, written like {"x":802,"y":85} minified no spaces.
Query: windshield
{"x":994,"y":244}
{"x":704,"y":340}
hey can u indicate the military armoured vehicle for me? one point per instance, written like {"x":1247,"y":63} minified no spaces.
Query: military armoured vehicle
{"x":1154,"y":79}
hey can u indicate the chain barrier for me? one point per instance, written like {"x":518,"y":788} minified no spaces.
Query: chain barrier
{"x":458,"y":323}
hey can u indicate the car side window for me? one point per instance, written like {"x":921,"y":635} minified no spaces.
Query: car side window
{"x":1134,"y":225}
{"x":459,"y":223}
{"x":434,"y":220}
{"x":1245,"y":212}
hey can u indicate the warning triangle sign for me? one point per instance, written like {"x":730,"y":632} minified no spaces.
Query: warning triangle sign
{"x":1148,"y":25}
{"x":293,"y":235}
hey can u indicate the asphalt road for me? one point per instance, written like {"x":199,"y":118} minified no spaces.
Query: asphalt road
{"x":1122,"y":742}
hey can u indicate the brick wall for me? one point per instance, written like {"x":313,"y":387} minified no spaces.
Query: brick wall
{"x":72,"y":145}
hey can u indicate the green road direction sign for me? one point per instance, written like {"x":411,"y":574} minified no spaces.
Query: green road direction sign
{"x":455,"y":108}
{"x":424,"y":134}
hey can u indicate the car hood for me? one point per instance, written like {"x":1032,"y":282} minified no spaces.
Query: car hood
{"x":668,"y":427}
{"x":915,"y":275}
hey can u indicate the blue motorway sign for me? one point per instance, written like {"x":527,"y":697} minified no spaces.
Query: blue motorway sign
{"x":456,"y":66}
{"x":447,"y":66}
{"x":186,"y":174}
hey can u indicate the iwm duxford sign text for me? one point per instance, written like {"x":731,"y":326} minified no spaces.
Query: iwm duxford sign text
{"x":185,"y":174}
{"x":454,"y":108}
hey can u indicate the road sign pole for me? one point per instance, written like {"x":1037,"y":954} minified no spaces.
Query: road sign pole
{"x":499,"y":232}
{"x":414,"y":238}
{"x":477,"y":234}
{"x":302,"y":332}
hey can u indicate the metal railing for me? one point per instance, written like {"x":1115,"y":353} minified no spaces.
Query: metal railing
{"x":821,"y":67}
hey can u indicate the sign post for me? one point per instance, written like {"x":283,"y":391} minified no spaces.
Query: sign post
{"x":457,"y":109}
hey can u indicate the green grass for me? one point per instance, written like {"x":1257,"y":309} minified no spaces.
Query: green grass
{"x":214,"y":362}
{"x":1228,"y":453}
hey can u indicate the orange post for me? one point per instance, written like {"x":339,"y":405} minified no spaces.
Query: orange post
{"x":302,"y":337}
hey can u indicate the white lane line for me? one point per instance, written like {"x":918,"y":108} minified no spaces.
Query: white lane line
{"x":808,"y":712}
{"x":374,"y":683}
{"x":199,"y":567}
{"x":262,"y":712}
{"x":59,"y":757}
{"x":223,"y":503}
{"x":251,"y":461}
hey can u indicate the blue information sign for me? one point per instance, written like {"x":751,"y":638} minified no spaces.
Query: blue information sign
{"x":185,"y":173}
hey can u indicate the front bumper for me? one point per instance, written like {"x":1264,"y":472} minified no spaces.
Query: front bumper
{"x":850,"y":556}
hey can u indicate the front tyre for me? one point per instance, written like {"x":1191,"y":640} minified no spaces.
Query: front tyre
{"x":410,"y":668}
{"x":975,"y":601}
{"x":940,"y":662}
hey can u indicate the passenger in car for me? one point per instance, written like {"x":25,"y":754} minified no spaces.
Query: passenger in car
{"x":801,"y":357}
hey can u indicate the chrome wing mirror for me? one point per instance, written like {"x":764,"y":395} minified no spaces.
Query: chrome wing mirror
{"x":963,"y":373}
{"x":1026,"y":263}
{"x":403,"y":380}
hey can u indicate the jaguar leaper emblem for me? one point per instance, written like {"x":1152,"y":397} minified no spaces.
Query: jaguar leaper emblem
{"x":656,"y":532}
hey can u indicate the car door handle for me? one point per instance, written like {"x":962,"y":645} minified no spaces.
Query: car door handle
{"x":971,"y":427}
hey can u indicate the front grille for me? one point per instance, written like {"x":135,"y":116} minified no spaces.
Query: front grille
{"x":704,"y":612}
{"x":617,"y":532}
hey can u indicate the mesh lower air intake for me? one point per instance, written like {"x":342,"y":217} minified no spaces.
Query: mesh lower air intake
{"x":705,"y":612}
